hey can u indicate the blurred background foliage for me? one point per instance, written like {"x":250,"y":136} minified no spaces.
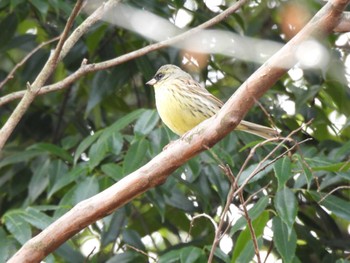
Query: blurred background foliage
{"x":73,"y":143}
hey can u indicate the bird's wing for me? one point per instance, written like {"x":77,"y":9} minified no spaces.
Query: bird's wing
{"x":197,"y":89}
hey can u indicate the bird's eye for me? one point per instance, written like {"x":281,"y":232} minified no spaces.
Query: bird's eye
{"x":159,"y":76}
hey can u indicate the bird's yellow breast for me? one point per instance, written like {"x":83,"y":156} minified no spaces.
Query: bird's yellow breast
{"x":177,"y":111}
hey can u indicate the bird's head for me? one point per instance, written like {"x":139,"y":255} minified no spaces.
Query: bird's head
{"x":165,"y":73}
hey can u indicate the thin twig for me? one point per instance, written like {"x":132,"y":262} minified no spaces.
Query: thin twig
{"x":196,"y":217}
{"x":140,"y":251}
{"x":247,"y":217}
{"x":52,"y":62}
{"x":87,"y":259}
{"x":33,"y":89}
{"x":25,"y":59}
{"x":273,"y":124}
{"x":259,"y":168}
{"x":84,"y":70}
{"x":256,"y":193}
{"x":235,"y":189}
{"x":331,"y":192}
{"x":250,"y":226}
{"x":269,"y":251}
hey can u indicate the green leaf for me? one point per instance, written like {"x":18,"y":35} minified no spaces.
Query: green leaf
{"x":283,"y":171}
{"x":126,"y":120}
{"x":39,"y":180}
{"x":253,"y":213}
{"x":284,"y":239}
{"x":17,"y":226}
{"x":133,"y":238}
{"x":113,"y":129}
{"x":86,"y":144}
{"x":170,"y":257}
{"x":190,"y":254}
{"x":85,"y":189}
{"x":247,"y":172}
{"x":305,"y":170}
{"x":135,"y":156}
{"x":114,"y":226}
{"x":286,"y":207}
{"x":68,"y":254}
{"x":18,"y":157}
{"x":336,"y":205}
{"x":42,"y":6}
{"x":245,"y":236}
{"x":113,"y":170}
{"x":36,"y":218}
{"x":7,"y":246}
{"x":325,"y":165}
{"x":110,"y":142}
{"x":127,"y":257}
{"x":54,"y":150}
{"x":248,"y":252}
{"x":67,"y":178}
{"x":146,"y":123}
{"x":177,"y":199}
{"x":8,"y":27}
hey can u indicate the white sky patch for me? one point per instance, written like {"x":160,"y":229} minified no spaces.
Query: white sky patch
{"x":32,"y":31}
{"x":296,"y":73}
{"x":214,"y":76}
{"x":90,"y":245}
{"x":226,"y":244}
{"x":311,"y":54}
{"x":214,"y":5}
{"x":347,"y":69}
{"x":338,"y":120}
{"x":271,"y":258}
{"x":286,"y":104}
{"x":183,"y":17}
{"x":343,"y":40}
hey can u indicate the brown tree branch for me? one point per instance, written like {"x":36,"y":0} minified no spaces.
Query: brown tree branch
{"x":250,"y":226}
{"x":344,"y":24}
{"x":32,"y":89}
{"x":160,"y":167}
{"x":89,"y":68}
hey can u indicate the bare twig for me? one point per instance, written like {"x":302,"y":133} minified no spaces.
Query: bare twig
{"x":87,"y":259}
{"x":35,"y":88}
{"x":140,"y":251}
{"x":52,"y":62}
{"x":24,"y":60}
{"x":88,"y":68}
{"x":250,"y":226}
{"x":236,"y":190}
{"x":32,"y":89}
{"x":331,"y":192}
{"x":199,"y":216}
{"x":269,"y":251}
{"x":247,"y":217}
{"x":266,"y":113}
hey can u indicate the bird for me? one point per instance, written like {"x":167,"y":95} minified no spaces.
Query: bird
{"x":182,"y":103}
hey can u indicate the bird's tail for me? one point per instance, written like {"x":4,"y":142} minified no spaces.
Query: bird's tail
{"x":256,"y":129}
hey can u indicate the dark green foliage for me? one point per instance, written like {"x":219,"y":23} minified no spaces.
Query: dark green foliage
{"x":74,"y":143}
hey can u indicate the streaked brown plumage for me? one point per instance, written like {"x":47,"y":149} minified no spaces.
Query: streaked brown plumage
{"x":183,"y":103}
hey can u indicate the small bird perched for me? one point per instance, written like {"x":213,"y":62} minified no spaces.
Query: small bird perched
{"x":183,"y":103}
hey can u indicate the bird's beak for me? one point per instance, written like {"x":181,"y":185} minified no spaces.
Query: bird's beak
{"x":151,"y":82}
